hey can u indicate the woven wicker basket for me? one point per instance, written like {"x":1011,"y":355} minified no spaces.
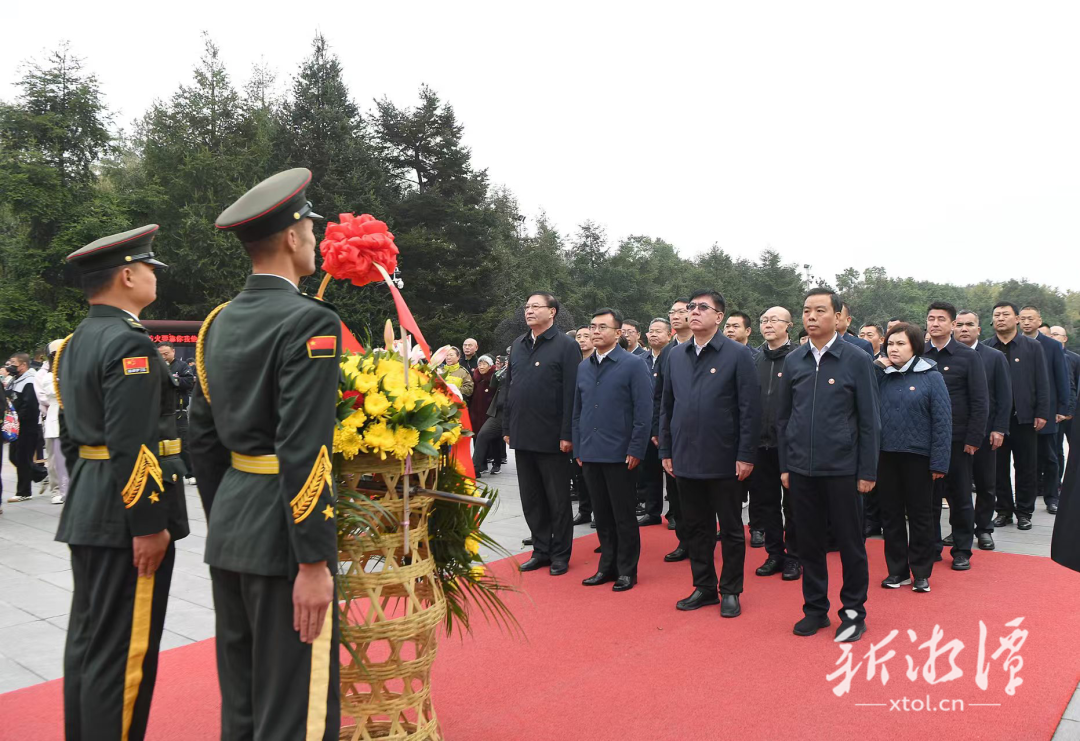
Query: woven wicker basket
{"x":397,"y":606}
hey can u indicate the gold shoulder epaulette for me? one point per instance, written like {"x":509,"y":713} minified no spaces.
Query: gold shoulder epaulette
{"x":56,"y":370}
{"x":134,"y":324}
{"x":200,"y":355}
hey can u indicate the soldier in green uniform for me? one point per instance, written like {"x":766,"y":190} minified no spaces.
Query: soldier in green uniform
{"x":125,"y":507}
{"x":261,"y":432}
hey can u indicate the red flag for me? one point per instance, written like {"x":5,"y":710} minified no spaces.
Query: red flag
{"x":405,"y":317}
{"x":461,"y":450}
{"x":349,"y":342}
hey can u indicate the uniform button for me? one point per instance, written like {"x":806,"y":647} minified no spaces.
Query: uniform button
{"x":780,"y":375}
{"x":712,"y":370}
{"x":832,"y":380}
{"x":1017,"y":360}
{"x":538,"y":363}
{"x":911,"y":388}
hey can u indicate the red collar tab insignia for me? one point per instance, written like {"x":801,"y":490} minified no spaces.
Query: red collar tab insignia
{"x":136,"y":366}
{"x":324,"y":346}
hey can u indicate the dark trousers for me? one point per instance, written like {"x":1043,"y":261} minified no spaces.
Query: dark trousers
{"x":21,"y":456}
{"x":483,"y":443}
{"x":111,"y":656}
{"x":182,"y":434}
{"x":611,"y":487}
{"x":544,"y":482}
{"x":273,"y":687}
{"x":821,"y":502}
{"x":581,"y":488}
{"x":872,"y":508}
{"x":1023,"y":444}
{"x":1048,"y":472}
{"x":704,"y":501}
{"x":651,"y":482}
{"x":956,"y":489}
{"x":773,"y":504}
{"x":905,"y":488}
{"x":984,"y":474}
{"x":674,"y":510}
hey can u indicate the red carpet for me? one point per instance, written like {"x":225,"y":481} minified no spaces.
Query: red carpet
{"x":597,"y":665}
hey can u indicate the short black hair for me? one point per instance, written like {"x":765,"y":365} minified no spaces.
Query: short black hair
{"x":549,"y":299}
{"x":876,"y":327}
{"x":802,"y":333}
{"x":1044,"y":324}
{"x":943,"y":306}
{"x":165,"y":344}
{"x":1009,"y":304}
{"x":894,"y":319}
{"x":741,"y":315}
{"x":632,"y":323}
{"x":96,"y":281}
{"x":844,"y":305}
{"x":614,"y":312}
{"x":967,"y":311}
{"x":681,"y":301}
{"x":837,"y":304}
{"x":1029,"y":306}
{"x":714,"y":296}
{"x":583,"y":326}
{"x":21,"y":357}
{"x":914,"y":334}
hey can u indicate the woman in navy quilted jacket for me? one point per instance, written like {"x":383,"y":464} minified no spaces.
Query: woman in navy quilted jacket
{"x":916,"y":437}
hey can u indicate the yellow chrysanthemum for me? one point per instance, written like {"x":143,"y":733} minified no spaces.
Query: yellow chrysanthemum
{"x":351,"y":364}
{"x":375,"y":404}
{"x":410,"y":399}
{"x":378,"y":439}
{"x":366,"y":382}
{"x":356,"y":419}
{"x":472,"y":545}
{"x":450,"y":437}
{"x":405,"y":439}
{"x":346,"y":442}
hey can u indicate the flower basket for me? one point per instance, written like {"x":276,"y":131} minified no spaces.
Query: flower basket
{"x":393,"y":603}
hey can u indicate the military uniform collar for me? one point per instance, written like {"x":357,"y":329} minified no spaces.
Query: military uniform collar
{"x":269,"y":282}
{"x":106,"y":311}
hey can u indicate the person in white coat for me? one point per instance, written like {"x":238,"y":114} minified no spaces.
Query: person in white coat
{"x":50,"y":414}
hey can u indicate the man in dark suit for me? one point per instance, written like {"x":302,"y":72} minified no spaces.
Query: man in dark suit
{"x":999,"y":393}
{"x":631,"y":331}
{"x":650,"y":473}
{"x":541,"y":376}
{"x":1030,"y":410}
{"x":829,"y":434}
{"x":710,"y":418}
{"x":842,"y":328}
{"x":965,"y":380}
{"x":612,"y":419}
{"x":1072,"y":360}
{"x":1057,"y":371}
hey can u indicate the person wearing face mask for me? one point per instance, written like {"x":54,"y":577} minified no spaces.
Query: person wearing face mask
{"x":262,"y":431}
{"x":23,"y":397}
{"x":916,"y":445}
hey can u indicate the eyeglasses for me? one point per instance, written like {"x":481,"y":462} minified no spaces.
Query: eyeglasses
{"x":599,"y":327}
{"x":677,"y":312}
{"x":699,"y":307}
{"x":773,"y":320}
{"x":536,"y":306}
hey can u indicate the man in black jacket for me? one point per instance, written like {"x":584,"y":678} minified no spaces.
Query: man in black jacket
{"x":769,"y":500}
{"x":999,"y":394}
{"x":1072,"y":362}
{"x":1031,"y":408}
{"x":965,"y":379}
{"x":829,"y":434}
{"x":540,"y":376}
{"x":184,"y":377}
{"x":24,"y":399}
{"x":710,"y":418}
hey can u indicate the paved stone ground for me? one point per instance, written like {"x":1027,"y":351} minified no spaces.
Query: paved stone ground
{"x":35,"y":581}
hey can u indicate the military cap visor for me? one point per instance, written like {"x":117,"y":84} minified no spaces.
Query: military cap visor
{"x":274,"y":204}
{"x":115,"y":250}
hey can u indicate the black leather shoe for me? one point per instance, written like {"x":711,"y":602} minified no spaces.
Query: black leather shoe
{"x":593,"y":524}
{"x":649,"y":520}
{"x":1002,"y":520}
{"x":639,"y":510}
{"x":623,"y":584}
{"x":496,"y":469}
{"x":558,"y":569}
{"x":527,"y":541}
{"x":948,"y":540}
{"x":986,"y":541}
{"x":729,"y":606}
{"x":757,"y":539}
{"x":1023,"y":523}
{"x":811,"y":624}
{"x":671,"y":523}
{"x":895,"y":582}
{"x":1052,"y":508}
{"x":698,"y":599}
{"x":770,"y":567}
{"x":792,"y":570}
{"x":679,"y":554}
{"x":581,"y":519}
{"x":871,"y":530}
{"x":597,"y":579}
{"x":850,"y":632}
{"x":535,"y":563}
{"x":921,"y":585}
{"x":960,"y":562}
{"x":598,"y":549}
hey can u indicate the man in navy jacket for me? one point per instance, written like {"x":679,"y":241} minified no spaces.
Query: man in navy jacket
{"x":999,"y":388}
{"x":829,"y":434}
{"x":710,"y":417}
{"x":612,"y":420}
{"x":965,"y":379}
{"x":1031,"y":409}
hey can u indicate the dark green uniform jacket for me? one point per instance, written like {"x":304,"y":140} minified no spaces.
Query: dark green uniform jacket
{"x":116,"y":391}
{"x":268,"y":386}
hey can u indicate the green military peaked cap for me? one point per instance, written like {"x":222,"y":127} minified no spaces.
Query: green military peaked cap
{"x":116,"y":250}
{"x":275,"y":203}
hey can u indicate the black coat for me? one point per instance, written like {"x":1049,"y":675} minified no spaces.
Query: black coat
{"x":1065,"y":546}
{"x":770,"y":369}
{"x":612,"y":408}
{"x":1057,"y":371}
{"x":710,"y":413}
{"x":858,"y":342}
{"x":1073,"y":361}
{"x":658,"y":369}
{"x":1030,"y":380}
{"x":999,"y":385}
{"x":540,"y":399}
{"x":829,"y":423}
{"x":965,"y":379}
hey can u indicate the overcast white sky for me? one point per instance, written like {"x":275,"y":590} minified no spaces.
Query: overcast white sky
{"x":937,"y":139}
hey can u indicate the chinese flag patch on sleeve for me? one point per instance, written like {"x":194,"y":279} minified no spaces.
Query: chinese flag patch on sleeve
{"x":324,"y":346}
{"x":135,"y":366}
